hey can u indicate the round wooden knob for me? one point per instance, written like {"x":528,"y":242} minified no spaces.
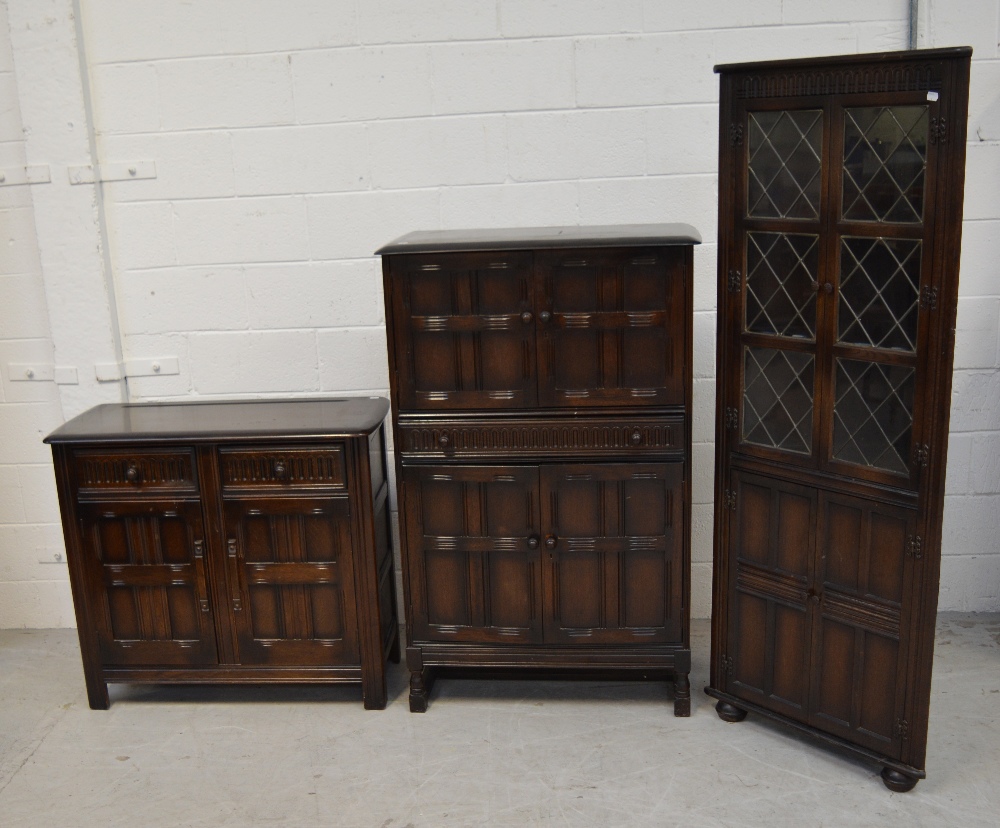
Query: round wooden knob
{"x":280,"y":469}
{"x":444,"y":441}
{"x":545,"y":316}
{"x":132,"y":473}
{"x":551,"y":541}
{"x":636,"y":437}
{"x":533,"y":542}
{"x":527,"y":316}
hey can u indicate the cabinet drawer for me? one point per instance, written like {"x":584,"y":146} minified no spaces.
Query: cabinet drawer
{"x":283,"y":466}
{"x":127,"y":471}
{"x":581,"y":436}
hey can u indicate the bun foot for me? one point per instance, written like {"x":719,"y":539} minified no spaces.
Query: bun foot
{"x":682,"y":695}
{"x":730,"y":713}
{"x":898,"y":781}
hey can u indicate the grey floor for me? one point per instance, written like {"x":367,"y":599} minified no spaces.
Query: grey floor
{"x":485,"y":754}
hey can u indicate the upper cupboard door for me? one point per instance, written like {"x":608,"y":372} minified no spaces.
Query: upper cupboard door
{"x":778,"y":243}
{"x":612,"y":326}
{"x":465,"y":330}
{"x":831,"y":296}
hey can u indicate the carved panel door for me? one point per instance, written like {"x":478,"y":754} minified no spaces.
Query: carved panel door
{"x":468,"y":323}
{"x":609,"y":324}
{"x":145,"y":565}
{"x":291,"y":580}
{"x":612,"y":556}
{"x":474,"y":543}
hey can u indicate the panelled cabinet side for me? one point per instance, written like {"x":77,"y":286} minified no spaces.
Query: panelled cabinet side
{"x":841,"y":185}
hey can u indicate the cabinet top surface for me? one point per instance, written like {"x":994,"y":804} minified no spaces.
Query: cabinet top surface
{"x":224,"y":420}
{"x":848,"y":60}
{"x":524,"y":238}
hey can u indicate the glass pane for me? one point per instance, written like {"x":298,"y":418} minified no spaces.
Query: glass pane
{"x":879,"y":292}
{"x":783,"y":173}
{"x":873,"y":414}
{"x":781,"y":273}
{"x":885,"y":155}
{"x":778,"y":399}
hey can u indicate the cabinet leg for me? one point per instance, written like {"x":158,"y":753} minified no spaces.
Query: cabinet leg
{"x":97,"y":694}
{"x":898,"y":781}
{"x":373,"y":687}
{"x":729,"y":712}
{"x":421,"y":682}
{"x":682,"y":695}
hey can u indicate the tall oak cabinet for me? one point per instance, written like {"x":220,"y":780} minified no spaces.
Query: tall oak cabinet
{"x":541,"y":387}
{"x":839,"y":232}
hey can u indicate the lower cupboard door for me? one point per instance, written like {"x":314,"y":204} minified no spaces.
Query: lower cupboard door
{"x":865,"y":573}
{"x":145,"y":572}
{"x":291,"y":580}
{"x":613,"y":553}
{"x":473,"y":553}
{"x":772,"y":545}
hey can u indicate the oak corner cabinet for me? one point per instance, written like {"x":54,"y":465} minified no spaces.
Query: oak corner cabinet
{"x":841,"y":183}
{"x":541,"y":401}
{"x":230,"y":542}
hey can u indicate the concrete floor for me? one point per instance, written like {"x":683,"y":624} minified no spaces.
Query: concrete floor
{"x":485,"y":754}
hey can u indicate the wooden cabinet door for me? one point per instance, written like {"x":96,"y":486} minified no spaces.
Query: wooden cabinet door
{"x":772,"y":547}
{"x":145,"y":572}
{"x":291,"y":580}
{"x":464,"y":330}
{"x":612,"y":540}
{"x":863,"y":584}
{"x":612,"y":326}
{"x":473,"y":548}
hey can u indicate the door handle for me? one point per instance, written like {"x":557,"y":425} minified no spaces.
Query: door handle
{"x":550,"y":542}
{"x":533,"y":542}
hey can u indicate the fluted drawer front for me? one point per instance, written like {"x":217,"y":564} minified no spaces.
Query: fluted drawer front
{"x":148,"y":470}
{"x":582,"y":436}
{"x":283,"y":466}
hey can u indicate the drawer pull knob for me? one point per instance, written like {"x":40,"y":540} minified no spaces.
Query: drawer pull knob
{"x":444,"y":441}
{"x":533,"y":542}
{"x":550,"y":542}
{"x":636,"y":437}
{"x":132,"y":473}
{"x":544,"y":316}
{"x":280,"y":470}
{"x":526,"y":317}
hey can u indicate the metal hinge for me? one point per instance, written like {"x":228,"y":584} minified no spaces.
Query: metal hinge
{"x":915,"y":547}
{"x":727,"y":665}
{"x":735,"y":281}
{"x":729,"y":499}
{"x":929,"y":298}
{"x":922,"y":454}
{"x":938,"y":131}
{"x":902,"y":729}
{"x":735,"y":135}
{"x":732,"y":417}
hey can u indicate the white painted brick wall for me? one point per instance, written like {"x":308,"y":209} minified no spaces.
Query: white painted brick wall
{"x":293,"y":139}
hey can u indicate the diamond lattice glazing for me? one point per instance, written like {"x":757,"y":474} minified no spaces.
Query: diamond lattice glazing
{"x":873,"y":414}
{"x":885,"y":156}
{"x":778,"y":399}
{"x":783,"y":172}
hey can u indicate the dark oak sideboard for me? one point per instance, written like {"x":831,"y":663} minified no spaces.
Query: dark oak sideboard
{"x":541,"y":399}
{"x":230,"y":542}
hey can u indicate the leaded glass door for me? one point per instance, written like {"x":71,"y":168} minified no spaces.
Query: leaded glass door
{"x":828,"y":300}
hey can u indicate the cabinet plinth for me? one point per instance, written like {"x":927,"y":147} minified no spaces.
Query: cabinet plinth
{"x":541,"y":387}
{"x":230,"y":542}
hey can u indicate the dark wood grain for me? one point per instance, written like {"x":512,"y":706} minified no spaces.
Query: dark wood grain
{"x":827,"y":542}
{"x":541,"y":388}
{"x":216,"y":554}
